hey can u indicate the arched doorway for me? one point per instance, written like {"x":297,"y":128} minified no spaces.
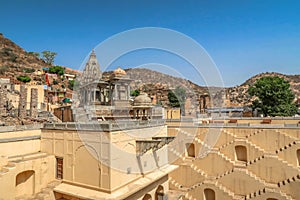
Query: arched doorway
{"x":298,"y":156}
{"x":159,"y":193}
{"x":190,"y":149}
{"x":209,"y":194}
{"x":25,"y":183}
{"x":147,"y":197}
{"x":241,"y":153}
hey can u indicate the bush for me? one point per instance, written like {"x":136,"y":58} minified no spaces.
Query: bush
{"x":3,"y":69}
{"x":28,"y":70}
{"x":71,"y":84}
{"x":57,"y":70}
{"x":24,"y":79}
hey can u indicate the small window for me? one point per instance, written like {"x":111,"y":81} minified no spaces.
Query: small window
{"x":241,"y":153}
{"x":190,"y":149}
{"x":59,"y":168}
{"x":209,"y":194}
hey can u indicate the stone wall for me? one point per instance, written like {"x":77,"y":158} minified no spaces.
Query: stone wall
{"x":33,"y":102}
{"x":3,"y":99}
{"x":22,"y":101}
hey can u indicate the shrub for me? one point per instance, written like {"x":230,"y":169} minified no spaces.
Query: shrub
{"x":28,"y":70}
{"x":57,"y":70}
{"x":24,"y":79}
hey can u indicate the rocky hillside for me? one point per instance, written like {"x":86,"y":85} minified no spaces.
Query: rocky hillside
{"x":237,"y":96}
{"x":15,"y":61}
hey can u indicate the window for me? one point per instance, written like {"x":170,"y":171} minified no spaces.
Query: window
{"x":59,"y":168}
{"x":241,"y":153}
{"x":159,"y":193}
{"x":190,"y":149}
{"x":209,"y":194}
{"x":147,"y":197}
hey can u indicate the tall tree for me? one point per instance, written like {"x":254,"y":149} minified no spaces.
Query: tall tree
{"x":48,"y":57}
{"x":177,"y":98}
{"x":274,"y":96}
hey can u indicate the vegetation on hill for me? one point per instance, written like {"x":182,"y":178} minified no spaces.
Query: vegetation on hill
{"x":48,"y":57}
{"x":177,"y":98}
{"x":24,"y":79}
{"x":274,"y":96}
{"x":57,"y":70}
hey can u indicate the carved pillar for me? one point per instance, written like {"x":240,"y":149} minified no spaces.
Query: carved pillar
{"x":33,"y":102}
{"x":3,"y":99}
{"x":22,"y":101}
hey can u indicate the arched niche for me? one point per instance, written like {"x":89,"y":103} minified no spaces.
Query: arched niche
{"x":241,"y":153}
{"x":159,"y":193}
{"x":190,"y":150}
{"x":147,"y":197}
{"x":209,"y":194}
{"x":25,"y":183}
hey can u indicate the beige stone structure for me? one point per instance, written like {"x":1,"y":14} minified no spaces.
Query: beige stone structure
{"x":245,"y":159}
{"x":89,"y":167}
{"x":24,"y":169}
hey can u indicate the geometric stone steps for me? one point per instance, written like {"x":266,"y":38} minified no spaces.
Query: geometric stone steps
{"x":255,"y":146}
{"x":223,"y":156}
{"x":287,"y":135}
{"x":229,"y":133}
{"x":225,"y":173}
{"x":252,"y":175}
{"x":225,"y":190}
{"x":255,"y":160}
{"x":177,"y":185}
{"x":198,"y":170}
{"x":225,"y":145}
{"x":254,"y":133}
{"x":267,"y":190}
{"x":288,"y":164}
{"x":286,"y":147}
{"x":289,"y":180}
{"x":174,"y":151}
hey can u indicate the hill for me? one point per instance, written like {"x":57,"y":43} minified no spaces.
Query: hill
{"x":237,"y":96}
{"x":15,"y":61}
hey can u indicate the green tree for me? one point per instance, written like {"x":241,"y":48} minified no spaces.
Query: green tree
{"x":57,"y":70}
{"x":48,"y":57}
{"x":24,"y":79}
{"x":36,"y":54}
{"x":177,"y":98}
{"x":71,"y":84}
{"x":134,"y":93}
{"x":274,"y":96}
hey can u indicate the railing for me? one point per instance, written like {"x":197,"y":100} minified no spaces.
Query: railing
{"x":20,"y":127}
{"x":104,"y":126}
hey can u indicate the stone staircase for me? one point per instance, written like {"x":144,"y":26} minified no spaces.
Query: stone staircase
{"x":47,"y":192}
{"x":287,"y":146}
{"x":254,"y":133}
{"x":223,"y":156}
{"x":6,"y":168}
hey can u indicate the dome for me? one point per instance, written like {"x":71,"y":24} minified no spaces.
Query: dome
{"x":119,"y":72}
{"x":142,"y":100}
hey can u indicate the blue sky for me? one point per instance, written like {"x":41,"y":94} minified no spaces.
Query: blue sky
{"x":242,"y":37}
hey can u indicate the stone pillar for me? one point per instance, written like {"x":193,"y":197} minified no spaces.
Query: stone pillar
{"x":22,"y":101}
{"x":33,"y":102}
{"x":3,"y":99}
